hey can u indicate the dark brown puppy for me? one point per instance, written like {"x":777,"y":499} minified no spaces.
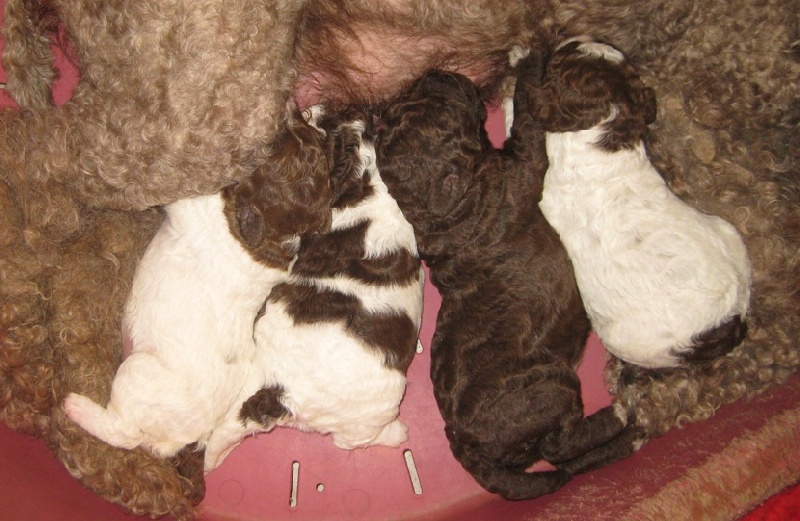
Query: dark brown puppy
{"x":512,"y":327}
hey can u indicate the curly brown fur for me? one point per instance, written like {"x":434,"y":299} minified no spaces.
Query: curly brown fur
{"x":38,"y":219}
{"x":288,"y":196}
{"x":29,"y":64}
{"x":62,"y":297}
{"x":174,"y":99}
{"x":26,"y":359}
{"x":180,"y":99}
{"x":579,"y":93}
{"x":511,"y":327}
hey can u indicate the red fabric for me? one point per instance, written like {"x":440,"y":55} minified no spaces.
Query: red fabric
{"x":781,"y":507}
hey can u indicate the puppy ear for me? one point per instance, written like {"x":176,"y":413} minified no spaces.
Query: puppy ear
{"x":294,"y":185}
{"x":636,"y":109}
{"x":250,"y":222}
{"x":445,"y":195}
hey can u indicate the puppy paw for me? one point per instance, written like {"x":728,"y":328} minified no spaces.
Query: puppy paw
{"x":393,"y":435}
{"x":621,"y":412}
{"x":83,"y":410}
{"x":96,"y":420}
{"x":516,"y":54}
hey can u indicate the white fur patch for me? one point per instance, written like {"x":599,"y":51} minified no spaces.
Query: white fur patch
{"x":621,"y":412}
{"x":584,"y":38}
{"x":591,"y":47}
{"x":652,"y":271}
{"x":603,"y":51}
{"x":508,"y":114}
{"x":516,"y":54}
{"x":312,"y":115}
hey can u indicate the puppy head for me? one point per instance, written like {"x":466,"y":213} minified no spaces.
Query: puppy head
{"x":287,"y":196}
{"x":588,"y":82}
{"x":346,"y":130}
{"x":430,"y":144}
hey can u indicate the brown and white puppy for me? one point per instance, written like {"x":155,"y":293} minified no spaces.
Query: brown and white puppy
{"x":335,"y":340}
{"x":511,"y":328}
{"x":195,"y":297}
{"x":663,"y":283}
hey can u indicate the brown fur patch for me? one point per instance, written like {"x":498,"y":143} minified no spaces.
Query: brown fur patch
{"x":189,"y":464}
{"x":265,"y":406}
{"x":581,"y":90}
{"x":341,"y":253}
{"x":387,"y":333}
{"x":290,"y":195}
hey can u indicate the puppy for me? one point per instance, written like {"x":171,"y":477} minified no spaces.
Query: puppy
{"x":194,"y":301}
{"x":335,"y":341}
{"x":663,"y":283}
{"x":511,"y":328}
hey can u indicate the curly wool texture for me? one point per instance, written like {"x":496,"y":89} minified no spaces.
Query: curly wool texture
{"x":88,"y":294}
{"x":65,"y":274}
{"x":38,"y":218}
{"x":29,"y":66}
{"x":726,"y":138}
{"x":26,"y":365}
{"x":175,"y":98}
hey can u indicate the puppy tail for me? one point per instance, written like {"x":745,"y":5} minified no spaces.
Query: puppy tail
{"x":100,"y":422}
{"x":518,"y":484}
{"x":189,"y":464}
{"x":714,"y":343}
